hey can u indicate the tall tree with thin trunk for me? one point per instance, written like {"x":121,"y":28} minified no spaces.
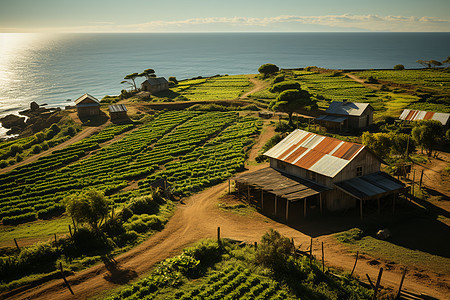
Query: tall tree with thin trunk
{"x":131,"y":80}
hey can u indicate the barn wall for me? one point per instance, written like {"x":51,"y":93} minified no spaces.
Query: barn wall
{"x":336,"y":200}
{"x":366,"y":159}
{"x":88,"y":111}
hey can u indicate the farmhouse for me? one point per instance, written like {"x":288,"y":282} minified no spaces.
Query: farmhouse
{"x":87,"y":106}
{"x":417,"y":115}
{"x":309,"y":171}
{"x":347,"y":115}
{"x":117,"y":112}
{"x":154,"y":85}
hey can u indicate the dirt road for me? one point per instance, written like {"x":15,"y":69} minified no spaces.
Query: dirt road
{"x":199,"y":218}
{"x":259,"y":85}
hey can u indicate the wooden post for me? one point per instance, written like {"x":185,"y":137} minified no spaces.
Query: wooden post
{"x":70,"y":231}
{"x":420,"y":181}
{"x":414,"y":179}
{"x":378,"y":206}
{"x":276,"y":204}
{"x":64,"y":278}
{"x":287,"y":210}
{"x":321,"y":203}
{"x":218,"y":235}
{"x":304,"y":207}
{"x":377,"y":285}
{"x":370,"y":282}
{"x":237,"y":185}
{"x":354,"y":266}
{"x":262,"y":200}
{"x":401,"y":283}
{"x":361,"y":209}
{"x":74,"y":225}
{"x":17,"y":245}
{"x":229,"y":186}
{"x":393,"y":203}
{"x":248,"y":193}
{"x":310,"y":252}
{"x":323,"y":260}
{"x":256,"y":245}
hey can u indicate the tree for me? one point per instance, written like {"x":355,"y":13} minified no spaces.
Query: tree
{"x":290,"y":101}
{"x":87,"y":207}
{"x":447,"y":60}
{"x":268,"y":69}
{"x":380,"y":143}
{"x":148,"y":73}
{"x":131,"y":80}
{"x":399,"y":67}
{"x":173,"y":79}
{"x":429,"y":63}
{"x":428,"y":134}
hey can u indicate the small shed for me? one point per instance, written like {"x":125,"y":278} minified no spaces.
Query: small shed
{"x":118,"y":112}
{"x":87,"y":106}
{"x":347,"y":115}
{"x":417,"y":115}
{"x":155,"y":84}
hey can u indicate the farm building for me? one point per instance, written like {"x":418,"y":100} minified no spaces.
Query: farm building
{"x":309,"y":171}
{"x":154,"y":85}
{"x":87,"y":106}
{"x":347,"y":115}
{"x":417,"y":115}
{"x":118,"y":112}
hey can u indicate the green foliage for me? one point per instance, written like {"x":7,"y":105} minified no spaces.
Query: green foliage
{"x":285,"y":85}
{"x":350,"y":236}
{"x":268,"y":145}
{"x":173,"y":79}
{"x":399,"y":67}
{"x":290,"y":101}
{"x":428,"y":134}
{"x":36,"y":149}
{"x":372,"y":79}
{"x":278,"y":78}
{"x":268,"y":69}
{"x":274,"y":250}
{"x":89,"y":207}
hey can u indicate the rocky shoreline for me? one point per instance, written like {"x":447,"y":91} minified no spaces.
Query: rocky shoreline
{"x":31,"y":120}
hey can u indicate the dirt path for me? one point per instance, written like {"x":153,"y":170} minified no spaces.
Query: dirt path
{"x":259,"y":85}
{"x":81,"y":135}
{"x":363,"y":82}
{"x":267,"y":132}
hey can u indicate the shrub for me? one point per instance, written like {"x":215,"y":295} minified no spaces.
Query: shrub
{"x":3,"y":164}
{"x":278,"y":78}
{"x":69,"y":131}
{"x":285,"y":85}
{"x":399,"y":67}
{"x":274,"y":250}
{"x":39,"y":137}
{"x":36,"y":149}
{"x":126,"y":213}
{"x":14,"y":149}
{"x":44,"y":146}
{"x":372,"y":79}
{"x":208,"y":252}
{"x":143,"y":205}
{"x":173,"y":79}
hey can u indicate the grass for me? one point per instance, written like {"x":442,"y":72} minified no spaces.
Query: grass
{"x":391,"y":252}
{"x":40,"y":229}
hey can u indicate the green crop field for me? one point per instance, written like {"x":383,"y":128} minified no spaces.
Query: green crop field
{"x":185,"y":143}
{"x":212,"y":88}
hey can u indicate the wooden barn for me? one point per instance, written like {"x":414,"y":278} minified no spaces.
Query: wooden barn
{"x":118,"y":112}
{"x":87,"y":106}
{"x":347,"y":115}
{"x":154,"y":85}
{"x":417,"y":115}
{"x":313,"y":172}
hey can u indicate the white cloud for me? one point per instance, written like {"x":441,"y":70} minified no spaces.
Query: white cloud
{"x":279,"y":23}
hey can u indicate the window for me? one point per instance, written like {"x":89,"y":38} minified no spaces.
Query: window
{"x":359,"y":171}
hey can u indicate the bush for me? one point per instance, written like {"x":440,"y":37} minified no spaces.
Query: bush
{"x":36,"y":149}
{"x":173,"y":79}
{"x":69,"y":131}
{"x":14,"y":149}
{"x":208,"y":252}
{"x":126,"y":213}
{"x":143,"y":205}
{"x":52,"y":131}
{"x":3,"y":163}
{"x":372,"y":79}
{"x":39,"y":137}
{"x":278,"y":79}
{"x":274,"y":250}
{"x":285,"y":85}
{"x":399,"y":67}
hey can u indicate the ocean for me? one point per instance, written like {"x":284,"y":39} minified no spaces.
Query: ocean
{"x":58,"y":68}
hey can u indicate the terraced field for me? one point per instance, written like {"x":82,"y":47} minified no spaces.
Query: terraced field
{"x":169,"y":146}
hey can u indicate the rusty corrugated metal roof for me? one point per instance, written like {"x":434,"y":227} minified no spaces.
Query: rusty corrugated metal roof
{"x":320,"y":154}
{"x":417,"y":115}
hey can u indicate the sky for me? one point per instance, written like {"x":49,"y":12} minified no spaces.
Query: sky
{"x":224,"y":15}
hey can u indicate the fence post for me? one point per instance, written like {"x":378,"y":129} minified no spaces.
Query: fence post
{"x":354,"y":266}
{"x":218,"y":235}
{"x":64,"y":278}
{"x":310,"y":252}
{"x":323,"y":260}
{"x":17,"y":245}
{"x":420,"y":181}
{"x":70,"y":231}
{"x":401,"y":283}
{"x":377,"y":285}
